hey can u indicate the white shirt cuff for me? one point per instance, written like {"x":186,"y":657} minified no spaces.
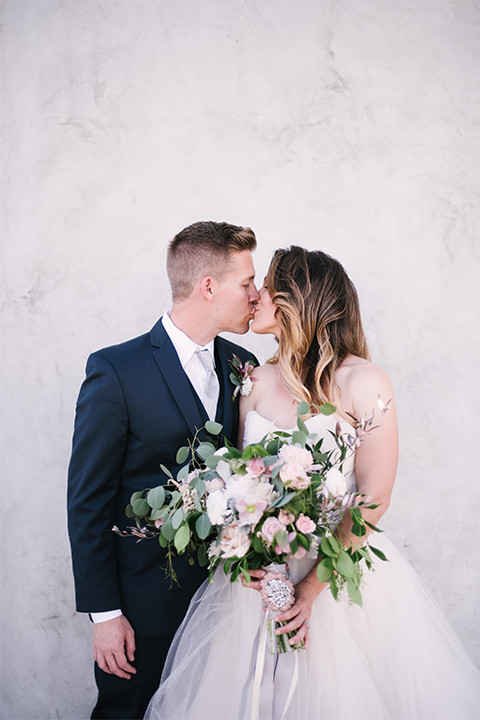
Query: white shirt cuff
{"x":100,"y":617}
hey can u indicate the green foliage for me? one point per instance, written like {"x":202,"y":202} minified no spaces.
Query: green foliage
{"x":182,"y":538}
{"x":182,"y":455}
{"x":186,"y":528}
{"x":140,"y":507}
{"x":156,"y":497}
{"x":213,"y":428}
{"x":203,"y":526}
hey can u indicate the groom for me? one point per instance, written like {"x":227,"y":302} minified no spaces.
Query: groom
{"x":139,"y":403}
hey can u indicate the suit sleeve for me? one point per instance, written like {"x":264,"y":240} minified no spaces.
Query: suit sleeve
{"x":99,"y":441}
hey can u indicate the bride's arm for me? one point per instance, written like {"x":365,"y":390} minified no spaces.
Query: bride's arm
{"x":375,"y":467}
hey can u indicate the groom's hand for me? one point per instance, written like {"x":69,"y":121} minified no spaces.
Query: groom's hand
{"x":114,"y":647}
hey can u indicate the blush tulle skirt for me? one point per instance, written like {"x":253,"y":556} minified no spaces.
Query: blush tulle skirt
{"x":397,"y":658}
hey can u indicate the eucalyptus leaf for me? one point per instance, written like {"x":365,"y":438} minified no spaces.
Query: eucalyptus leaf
{"x":159,"y":514}
{"x":163,"y":541}
{"x":299,"y":437}
{"x":203,"y":526}
{"x":141,"y":507}
{"x":204,"y":451}
{"x":303,"y":408}
{"x":327,"y":409}
{"x":182,"y":538}
{"x":281,"y":538}
{"x":177,"y":518}
{"x":136,"y":496}
{"x":202,"y":555}
{"x":212,"y":461}
{"x":301,"y":426}
{"x":182,"y":474}
{"x":129,"y":511}
{"x":234,"y":380}
{"x":156,"y":497}
{"x":166,"y":470}
{"x":213,"y":427}
{"x":167,"y":530}
{"x":200,"y":487}
{"x":182,"y":454}
{"x":283,"y":501}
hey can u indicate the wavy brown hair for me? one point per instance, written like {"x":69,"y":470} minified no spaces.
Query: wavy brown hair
{"x":318,"y":310}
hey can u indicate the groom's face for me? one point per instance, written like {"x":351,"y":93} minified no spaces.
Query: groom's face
{"x":236,"y":295}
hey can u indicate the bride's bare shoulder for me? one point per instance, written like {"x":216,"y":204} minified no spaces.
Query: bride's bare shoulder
{"x":361,"y":382}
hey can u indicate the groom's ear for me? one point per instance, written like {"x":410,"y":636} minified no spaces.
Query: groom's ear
{"x":207,"y":288}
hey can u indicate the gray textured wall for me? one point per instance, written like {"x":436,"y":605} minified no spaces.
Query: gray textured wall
{"x":347,"y":126}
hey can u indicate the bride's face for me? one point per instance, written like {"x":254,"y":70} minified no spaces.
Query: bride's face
{"x":264,"y":321}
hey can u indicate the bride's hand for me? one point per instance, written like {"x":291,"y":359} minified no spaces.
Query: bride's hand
{"x":299,"y":614}
{"x":253,"y":584}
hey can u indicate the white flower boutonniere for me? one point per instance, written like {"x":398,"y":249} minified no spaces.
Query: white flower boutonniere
{"x":240,"y":376}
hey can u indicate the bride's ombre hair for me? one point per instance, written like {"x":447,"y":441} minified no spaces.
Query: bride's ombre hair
{"x":318,"y":310}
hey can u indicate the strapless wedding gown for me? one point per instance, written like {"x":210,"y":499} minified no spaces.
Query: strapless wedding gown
{"x":396,"y":659}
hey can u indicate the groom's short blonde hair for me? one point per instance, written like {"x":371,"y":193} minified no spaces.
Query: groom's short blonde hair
{"x":204,"y":249}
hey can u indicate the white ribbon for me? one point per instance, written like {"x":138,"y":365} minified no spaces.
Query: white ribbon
{"x":260,"y":661}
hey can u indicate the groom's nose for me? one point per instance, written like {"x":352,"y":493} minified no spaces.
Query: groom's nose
{"x":254,"y":295}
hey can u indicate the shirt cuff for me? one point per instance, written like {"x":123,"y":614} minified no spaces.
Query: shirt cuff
{"x":99,"y":617}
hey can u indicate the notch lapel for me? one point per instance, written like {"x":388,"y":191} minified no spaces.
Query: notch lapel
{"x":174,"y":375}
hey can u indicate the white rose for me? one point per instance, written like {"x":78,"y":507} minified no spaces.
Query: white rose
{"x":216,"y":507}
{"x":246,"y":388}
{"x":335,"y":482}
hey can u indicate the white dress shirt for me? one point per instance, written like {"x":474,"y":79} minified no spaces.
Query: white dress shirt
{"x":187,"y":352}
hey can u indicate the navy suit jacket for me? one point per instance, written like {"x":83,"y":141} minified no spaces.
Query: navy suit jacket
{"x":136,"y":407}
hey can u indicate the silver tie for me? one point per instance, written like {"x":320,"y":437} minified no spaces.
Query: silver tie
{"x":212,"y":386}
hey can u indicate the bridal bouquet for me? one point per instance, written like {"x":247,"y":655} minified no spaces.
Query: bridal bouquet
{"x":282,"y":497}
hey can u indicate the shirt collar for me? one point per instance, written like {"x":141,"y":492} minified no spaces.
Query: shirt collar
{"x":184,"y":346}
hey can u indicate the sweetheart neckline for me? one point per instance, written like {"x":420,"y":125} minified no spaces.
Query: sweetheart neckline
{"x":294,"y":427}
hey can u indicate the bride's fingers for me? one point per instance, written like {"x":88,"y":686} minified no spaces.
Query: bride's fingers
{"x":253,"y":584}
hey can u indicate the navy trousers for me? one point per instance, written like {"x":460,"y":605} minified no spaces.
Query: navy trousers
{"x":128,"y":699}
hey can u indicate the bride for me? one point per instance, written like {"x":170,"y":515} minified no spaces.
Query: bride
{"x":395,"y":658}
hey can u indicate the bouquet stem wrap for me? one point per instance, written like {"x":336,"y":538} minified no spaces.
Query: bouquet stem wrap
{"x":278,"y":594}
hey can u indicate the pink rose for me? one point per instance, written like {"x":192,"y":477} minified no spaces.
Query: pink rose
{"x":301,"y":552}
{"x":270,"y":527}
{"x":285,"y":517}
{"x":294,"y":475}
{"x":234,"y":543}
{"x":305,"y":524}
{"x":286,"y":548}
{"x":256,"y":466}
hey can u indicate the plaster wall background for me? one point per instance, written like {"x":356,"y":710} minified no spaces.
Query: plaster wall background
{"x":345,"y":126}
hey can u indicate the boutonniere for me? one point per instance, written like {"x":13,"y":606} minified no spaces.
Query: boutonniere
{"x":240,"y":376}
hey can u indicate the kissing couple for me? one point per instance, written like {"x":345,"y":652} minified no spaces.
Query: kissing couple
{"x":141,"y":401}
